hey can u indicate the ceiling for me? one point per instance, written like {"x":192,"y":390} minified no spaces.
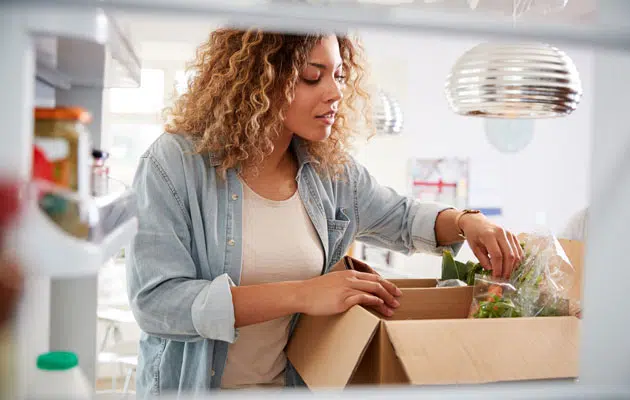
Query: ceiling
{"x":556,"y":10}
{"x":161,"y":37}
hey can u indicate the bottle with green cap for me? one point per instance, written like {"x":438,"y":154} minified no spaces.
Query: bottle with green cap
{"x":58,"y":376}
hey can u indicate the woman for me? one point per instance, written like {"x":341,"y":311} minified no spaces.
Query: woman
{"x":249,"y":201}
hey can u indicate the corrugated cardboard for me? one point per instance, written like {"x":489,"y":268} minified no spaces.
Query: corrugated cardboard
{"x":476,"y":351}
{"x":430,"y":340}
{"x":575,"y":252}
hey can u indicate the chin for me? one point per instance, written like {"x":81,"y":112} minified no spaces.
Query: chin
{"x":316,"y":135}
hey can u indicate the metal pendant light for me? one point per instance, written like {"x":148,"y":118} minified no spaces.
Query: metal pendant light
{"x":514,"y":81}
{"x":388,"y":117}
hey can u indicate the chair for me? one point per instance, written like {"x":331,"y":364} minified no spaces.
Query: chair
{"x":125,"y":355}
{"x":120,"y":352}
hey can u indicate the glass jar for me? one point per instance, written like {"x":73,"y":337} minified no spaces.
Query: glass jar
{"x":62,"y":135}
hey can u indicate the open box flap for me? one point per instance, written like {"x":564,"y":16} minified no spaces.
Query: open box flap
{"x":414,"y":283}
{"x":433,"y":303}
{"x":326,"y":350}
{"x":490,"y":350}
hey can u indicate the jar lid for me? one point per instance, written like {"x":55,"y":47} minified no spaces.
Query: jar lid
{"x":57,"y":361}
{"x":100,"y":154}
{"x":63,"y":113}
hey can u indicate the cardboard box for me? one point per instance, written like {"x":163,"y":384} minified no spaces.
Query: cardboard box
{"x":575,"y":252}
{"x":430,"y":340}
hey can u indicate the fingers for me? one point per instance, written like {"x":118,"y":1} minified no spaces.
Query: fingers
{"x":371,"y":301}
{"x":366,"y":287}
{"x":377,"y":289}
{"x":496,"y":256}
{"x":500,"y":250}
{"x":482,"y":257}
{"x":364,"y":299}
{"x":518,"y":250}
{"x":383,"y":309}
{"x":390,"y":287}
{"x":508,"y":254}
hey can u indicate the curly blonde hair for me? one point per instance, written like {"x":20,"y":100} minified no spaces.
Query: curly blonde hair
{"x":242,"y":83}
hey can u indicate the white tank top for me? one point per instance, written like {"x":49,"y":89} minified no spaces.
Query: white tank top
{"x":279,"y":244}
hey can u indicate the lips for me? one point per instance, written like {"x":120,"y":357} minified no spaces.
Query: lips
{"x":327,"y":118}
{"x":330,"y":114}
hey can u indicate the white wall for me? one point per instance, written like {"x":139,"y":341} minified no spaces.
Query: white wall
{"x":548,"y":179}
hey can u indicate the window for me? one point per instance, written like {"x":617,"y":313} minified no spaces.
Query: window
{"x":148,"y":98}
{"x":182,"y":78}
{"x":128,"y":143}
{"x":132,"y":118}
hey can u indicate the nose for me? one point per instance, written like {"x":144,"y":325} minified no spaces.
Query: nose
{"x":333,"y":92}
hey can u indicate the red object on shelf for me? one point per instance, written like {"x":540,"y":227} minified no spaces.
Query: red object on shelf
{"x":9,"y":204}
{"x":42,"y":168}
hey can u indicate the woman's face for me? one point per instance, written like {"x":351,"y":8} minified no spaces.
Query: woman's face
{"x":312,"y":112}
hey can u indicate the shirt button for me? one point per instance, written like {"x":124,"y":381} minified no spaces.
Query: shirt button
{"x":235,"y":196}
{"x":212,"y":373}
{"x":231,"y":242}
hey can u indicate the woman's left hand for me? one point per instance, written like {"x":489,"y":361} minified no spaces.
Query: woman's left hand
{"x":494,"y":247}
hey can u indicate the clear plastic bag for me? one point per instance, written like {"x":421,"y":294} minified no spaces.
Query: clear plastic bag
{"x":540,"y":284}
{"x":493,"y":298}
{"x":544,"y":278}
{"x":451,"y":283}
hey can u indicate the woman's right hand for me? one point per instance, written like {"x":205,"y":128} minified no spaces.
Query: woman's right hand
{"x":336,"y":292}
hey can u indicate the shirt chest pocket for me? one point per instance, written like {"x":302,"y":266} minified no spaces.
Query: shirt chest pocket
{"x":337,"y":228}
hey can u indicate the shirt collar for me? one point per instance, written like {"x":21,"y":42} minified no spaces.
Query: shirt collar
{"x":298,"y":146}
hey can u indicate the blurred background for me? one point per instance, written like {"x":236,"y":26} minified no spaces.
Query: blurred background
{"x":537,"y":176}
{"x":541,"y":185}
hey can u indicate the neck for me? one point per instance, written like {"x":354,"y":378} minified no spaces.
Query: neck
{"x":281,"y":156}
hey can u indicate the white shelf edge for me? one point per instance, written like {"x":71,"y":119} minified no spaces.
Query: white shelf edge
{"x":123,"y":51}
{"x":51,"y":77}
{"x":50,"y":252}
{"x":86,"y":24}
{"x":305,"y":17}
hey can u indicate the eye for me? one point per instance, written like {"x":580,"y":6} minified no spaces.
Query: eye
{"x":310,"y":81}
{"x":311,"y":75}
{"x":341,"y":79}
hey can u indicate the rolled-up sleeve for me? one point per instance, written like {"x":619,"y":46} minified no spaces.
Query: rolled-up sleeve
{"x":423,"y":229}
{"x":390,"y":220}
{"x":213,"y":310}
{"x":167,"y":297}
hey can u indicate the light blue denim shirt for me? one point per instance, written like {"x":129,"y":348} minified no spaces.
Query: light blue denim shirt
{"x":187,"y":253}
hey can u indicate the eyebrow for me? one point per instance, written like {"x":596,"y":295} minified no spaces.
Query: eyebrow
{"x":322,"y":66}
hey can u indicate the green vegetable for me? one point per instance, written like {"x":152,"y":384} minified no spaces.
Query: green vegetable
{"x":476,"y":268}
{"x":452,"y":269}
{"x":497,"y":307}
{"x":556,"y":308}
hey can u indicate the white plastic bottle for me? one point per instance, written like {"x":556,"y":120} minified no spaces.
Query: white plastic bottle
{"x":58,"y":376}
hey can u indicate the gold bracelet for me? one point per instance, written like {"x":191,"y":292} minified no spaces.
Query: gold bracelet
{"x":461,"y":214}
